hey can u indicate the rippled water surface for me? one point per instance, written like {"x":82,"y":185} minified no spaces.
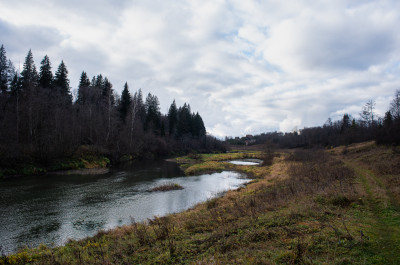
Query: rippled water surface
{"x":51,"y":209}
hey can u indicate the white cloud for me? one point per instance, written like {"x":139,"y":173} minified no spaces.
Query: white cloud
{"x":245,"y":66}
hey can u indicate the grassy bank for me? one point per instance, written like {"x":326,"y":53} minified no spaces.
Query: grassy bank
{"x":84,"y":158}
{"x":195,"y":164}
{"x":308,"y":207}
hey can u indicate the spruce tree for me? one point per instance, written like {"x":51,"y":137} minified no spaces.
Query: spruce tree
{"x":172,"y":118}
{"x":29,"y":74}
{"x":84,"y":84}
{"x":45,"y":75}
{"x":387,"y":120}
{"x":125,"y":103}
{"x":93,"y":82}
{"x":99,"y":81}
{"x":184,"y":126}
{"x":141,"y":107}
{"x":3,"y":70}
{"x":107,"y":93}
{"x":61,"y":82}
{"x":345,"y":123}
{"x":198,"y":126}
{"x":152,"y":113}
{"x":84,"y":80}
{"x":16,"y":85}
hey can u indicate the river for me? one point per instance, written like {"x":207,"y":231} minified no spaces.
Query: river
{"x":51,"y":209}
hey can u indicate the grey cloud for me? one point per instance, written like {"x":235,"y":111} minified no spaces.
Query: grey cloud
{"x":19,"y":40}
{"x":351,"y":47}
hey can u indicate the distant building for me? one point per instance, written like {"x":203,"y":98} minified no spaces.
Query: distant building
{"x":249,"y":140}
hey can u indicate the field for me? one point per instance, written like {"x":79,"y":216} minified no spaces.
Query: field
{"x":337,"y":206}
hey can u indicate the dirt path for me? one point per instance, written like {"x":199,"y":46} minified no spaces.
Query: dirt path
{"x":385,"y":230}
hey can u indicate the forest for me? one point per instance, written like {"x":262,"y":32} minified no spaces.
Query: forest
{"x":348,"y":130}
{"x":42,"y":122}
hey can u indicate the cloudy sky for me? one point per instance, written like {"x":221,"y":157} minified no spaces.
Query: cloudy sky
{"x":245,"y":66}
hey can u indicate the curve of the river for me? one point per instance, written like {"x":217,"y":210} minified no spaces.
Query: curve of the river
{"x":52,"y":209}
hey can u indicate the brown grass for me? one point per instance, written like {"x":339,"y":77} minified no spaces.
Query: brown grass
{"x":309,"y":207}
{"x":167,"y":187}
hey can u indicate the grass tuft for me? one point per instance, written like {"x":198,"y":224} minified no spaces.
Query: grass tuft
{"x":167,"y":187}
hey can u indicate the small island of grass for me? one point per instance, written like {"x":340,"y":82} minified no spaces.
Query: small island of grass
{"x":167,"y":187}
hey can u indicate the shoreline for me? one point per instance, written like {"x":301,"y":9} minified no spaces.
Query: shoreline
{"x":83,"y":171}
{"x":308,"y":206}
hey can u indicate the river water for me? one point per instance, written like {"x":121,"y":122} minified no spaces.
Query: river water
{"x":247,"y":162}
{"x":51,"y":209}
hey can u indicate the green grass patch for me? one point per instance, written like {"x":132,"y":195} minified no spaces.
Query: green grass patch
{"x":209,"y":163}
{"x":23,"y":170}
{"x":83,"y":161}
{"x":195,"y":158}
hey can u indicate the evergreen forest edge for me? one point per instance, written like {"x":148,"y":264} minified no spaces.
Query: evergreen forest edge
{"x":42,"y":125}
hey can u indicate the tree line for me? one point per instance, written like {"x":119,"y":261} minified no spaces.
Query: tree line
{"x":368,"y":126}
{"x":41,"y":121}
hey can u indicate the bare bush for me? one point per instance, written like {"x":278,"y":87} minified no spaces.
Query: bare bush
{"x":142,"y":233}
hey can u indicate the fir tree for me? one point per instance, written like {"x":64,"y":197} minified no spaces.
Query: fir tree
{"x":184,"y":126}
{"x":45,"y":75}
{"x":387,"y":120}
{"x":107,"y":93}
{"x":61,"y":82}
{"x":125,"y":103}
{"x":141,"y":107}
{"x":16,"y":85}
{"x":198,"y":126}
{"x":172,"y":118}
{"x":3,"y":70}
{"x":99,"y":81}
{"x":345,"y":123}
{"x":93,"y":82}
{"x":153,"y":114}
{"x":84,"y":84}
{"x":84,"y":80}
{"x":29,"y":74}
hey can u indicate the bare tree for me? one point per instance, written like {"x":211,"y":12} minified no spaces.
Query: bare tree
{"x":395,"y":105}
{"x":367,"y":114}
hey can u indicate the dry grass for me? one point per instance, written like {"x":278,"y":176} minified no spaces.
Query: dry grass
{"x":167,"y":187}
{"x":308,"y":207}
{"x":207,"y":163}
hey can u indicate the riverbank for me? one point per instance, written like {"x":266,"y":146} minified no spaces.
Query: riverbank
{"x":207,"y":163}
{"x":310,"y":207}
{"x":82,"y":164}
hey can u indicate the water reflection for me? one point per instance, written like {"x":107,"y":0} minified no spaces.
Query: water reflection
{"x":246,"y":162}
{"x":51,"y":209}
